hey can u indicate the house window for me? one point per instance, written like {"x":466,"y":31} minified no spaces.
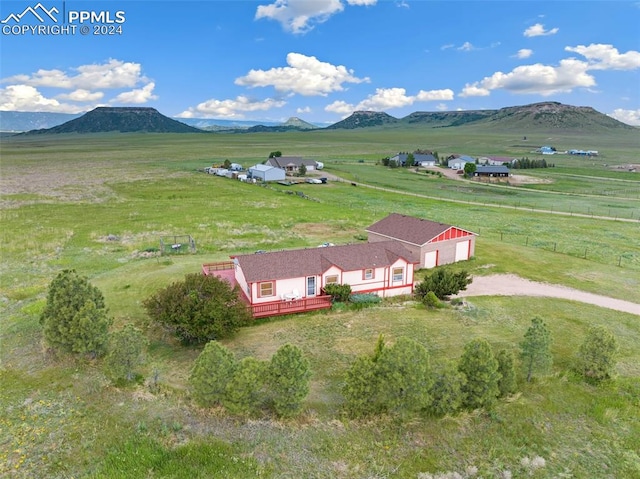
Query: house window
{"x":265,"y":289}
{"x":368,"y":274}
{"x":398,"y":274}
{"x":333,"y":279}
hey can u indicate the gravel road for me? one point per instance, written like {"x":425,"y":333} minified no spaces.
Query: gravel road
{"x":512,"y":285}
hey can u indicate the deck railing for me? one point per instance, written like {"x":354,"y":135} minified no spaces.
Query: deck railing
{"x":279,"y":308}
{"x":208,"y":268}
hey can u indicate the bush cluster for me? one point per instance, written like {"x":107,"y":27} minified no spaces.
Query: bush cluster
{"x":251,"y":386}
{"x":199,"y":309}
{"x":399,"y":380}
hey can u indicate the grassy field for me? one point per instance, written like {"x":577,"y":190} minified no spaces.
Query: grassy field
{"x":61,"y":201}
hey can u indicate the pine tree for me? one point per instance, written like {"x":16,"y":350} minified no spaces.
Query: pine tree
{"x":446,"y":391}
{"x":480,"y":368}
{"x":75,"y":319}
{"x":443,"y":282}
{"x":362,"y":384}
{"x":245,"y":392}
{"x":126,"y":353}
{"x":289,"y":375}
{"x":361,"y":388}
{"x":507,"y":369}
{"x":596,"y":358}
{"x":536,"y":348}
{"x":212,"y":371}
{"x":404,"y":374}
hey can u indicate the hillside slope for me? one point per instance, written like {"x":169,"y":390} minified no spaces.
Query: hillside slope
{"x":121,"y":119}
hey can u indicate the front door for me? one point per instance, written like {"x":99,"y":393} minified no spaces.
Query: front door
{"x":311,"y":286}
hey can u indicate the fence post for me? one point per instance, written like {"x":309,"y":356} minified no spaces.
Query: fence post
{"x":619,"y":260}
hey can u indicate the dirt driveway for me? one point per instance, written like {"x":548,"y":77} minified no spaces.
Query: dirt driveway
{"x":512,"y":285}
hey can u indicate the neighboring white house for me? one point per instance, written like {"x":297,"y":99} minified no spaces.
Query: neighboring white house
{"x":266,"y":173}
{"x":495,"y":160}
{"x":419,"y":159}
{"x":459,"y":162}
{"x":547,"y":150}
{"x":291,"y":164}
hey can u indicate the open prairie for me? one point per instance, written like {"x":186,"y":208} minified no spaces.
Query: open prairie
{"x":100,"y":203}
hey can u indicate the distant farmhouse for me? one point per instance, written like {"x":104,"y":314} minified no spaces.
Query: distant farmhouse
{"x":291,"y":164}
{"x":495,"y":160}
{"x":546,"y":150}
{"x":419,"y":159}
{"x":457,"y":162}
{"x":291,"y":281}
{"x":583,"y":152}
{"x":266,"y":173}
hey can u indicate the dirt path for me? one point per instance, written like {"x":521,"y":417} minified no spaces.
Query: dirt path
{"x":512,"y":285}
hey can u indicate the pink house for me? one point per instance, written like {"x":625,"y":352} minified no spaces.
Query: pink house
{"x":284,"y":282}
{"x":292,"y":281}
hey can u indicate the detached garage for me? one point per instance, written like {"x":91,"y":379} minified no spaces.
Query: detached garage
{"x":432,"y":244}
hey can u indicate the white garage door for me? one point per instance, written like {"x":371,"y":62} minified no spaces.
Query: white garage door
{"x":462,"y":251}
{"x":430,"y":259}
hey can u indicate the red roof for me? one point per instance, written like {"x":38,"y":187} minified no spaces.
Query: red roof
{"x":315,"y":261}
{"x":409,"y":229}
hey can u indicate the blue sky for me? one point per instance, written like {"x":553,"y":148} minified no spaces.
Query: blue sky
{"x":319,"y":59}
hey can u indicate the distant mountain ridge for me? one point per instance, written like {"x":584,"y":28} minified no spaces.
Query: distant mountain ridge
{"x":120,"y":119}
{"x":364,"y":119}
{"x":548,"y":116}
{"x":545,"y":115}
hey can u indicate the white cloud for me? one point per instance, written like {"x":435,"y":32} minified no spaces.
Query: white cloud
{"x":137,"y":96}
{"x":548,"y":80}
{"x":299,"y":16}
{"x":524,"y":53}
{"x":442,"y":107}
{"x":434,"y":95}
{"x":82,"y":95}
{"x":362,"y":3}
{"x":630,"y":117}
{"x":388,"y":98}
{"x":474,"y":90}
{"x":341,"y":107}
{"x":112,"y":74}
{"x":84,"y":83}
{"x":537,"y":79}
{"x":538,"y":30}
{"x":466,"y":47}
{"x":306,"y":109}
{"x":28,"y":98}
{"x":606,"y":57}
{"x":230,"y":108}
{"x":305,"y":75}
{"x":402,"y":4}
{"x":447,"y":46}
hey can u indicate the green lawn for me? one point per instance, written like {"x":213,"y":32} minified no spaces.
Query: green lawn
{"x":60,"y":417}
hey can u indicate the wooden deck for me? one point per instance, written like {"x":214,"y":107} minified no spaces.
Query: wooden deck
{"x":280,"y":308}
{"x":225,"y":270}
